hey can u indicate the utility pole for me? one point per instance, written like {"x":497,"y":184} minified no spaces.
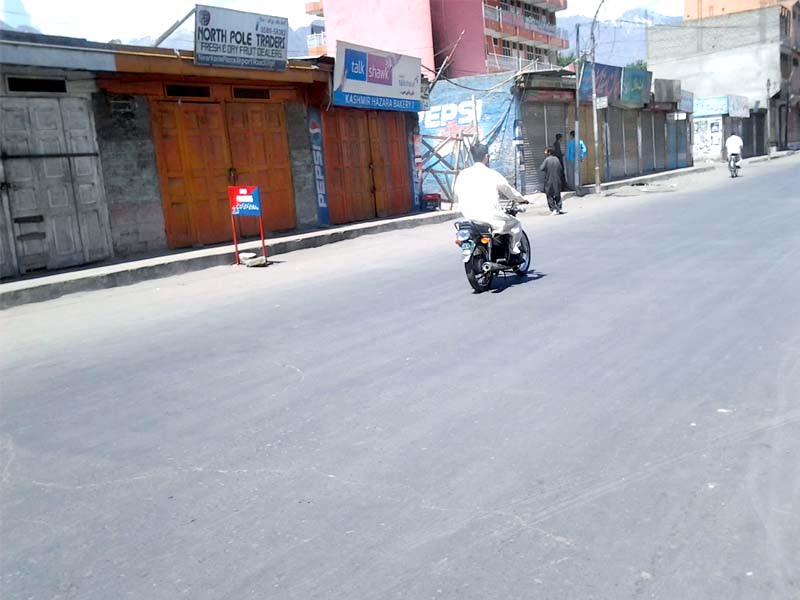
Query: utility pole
{"x":576,"y":150}
{"x":597,"y":188}
{"x":768,"y":128}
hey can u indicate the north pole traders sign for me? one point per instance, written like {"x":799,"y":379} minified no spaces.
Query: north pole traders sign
{"x":231,"y":38}
{"x":374,"y":79}
{"x":245,"y":201}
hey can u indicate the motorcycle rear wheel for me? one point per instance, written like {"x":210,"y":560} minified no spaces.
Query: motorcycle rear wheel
{"x":479,"y":280}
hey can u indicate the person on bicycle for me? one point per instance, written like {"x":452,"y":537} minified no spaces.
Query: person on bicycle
{"x":733,"y":146}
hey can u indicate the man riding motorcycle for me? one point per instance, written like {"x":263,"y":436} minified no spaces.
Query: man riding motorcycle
{"x":478,"y":189}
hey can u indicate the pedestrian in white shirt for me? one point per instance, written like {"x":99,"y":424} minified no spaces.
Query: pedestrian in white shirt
{"x":478,"y":189}
{"x":733,"y":146}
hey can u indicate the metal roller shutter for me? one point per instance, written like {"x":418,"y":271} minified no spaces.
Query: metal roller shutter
{"x":541,"y":122}
{"x":648,"y":151}
{"x":683,"y":143}
{"x":535,"y":138}
{"x":616,"y":153}
{"x":631,"y":126}
{"x":659,"y":121}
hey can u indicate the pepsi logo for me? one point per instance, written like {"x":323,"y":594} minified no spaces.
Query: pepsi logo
{"x":314,"y":128}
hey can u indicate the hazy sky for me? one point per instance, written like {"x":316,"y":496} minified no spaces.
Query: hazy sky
{"x":614,"y":8}
{"x":103,"y":20}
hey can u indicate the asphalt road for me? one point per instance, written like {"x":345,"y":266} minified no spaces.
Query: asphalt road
{"x":353,"y":423}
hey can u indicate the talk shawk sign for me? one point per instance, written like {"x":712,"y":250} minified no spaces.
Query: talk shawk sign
{"x":231,"y":38}
{"x":374,"y":79}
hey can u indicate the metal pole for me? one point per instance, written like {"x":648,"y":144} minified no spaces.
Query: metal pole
{"x":594,"y":105}
{"x":172,"y":29}
{"x":594,"y":120}
{"x":769,"y":124}
{"x":576,"y":142}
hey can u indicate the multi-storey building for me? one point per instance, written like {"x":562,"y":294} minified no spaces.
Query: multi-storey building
{"x":699,"y":9}
{"x":496,"y":35}
{"x":402,"y":27}
{"x":478,"y":36}
{"x":750,"y":53}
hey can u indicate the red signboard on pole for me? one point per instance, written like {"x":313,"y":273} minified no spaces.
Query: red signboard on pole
{"x":245,"y":201}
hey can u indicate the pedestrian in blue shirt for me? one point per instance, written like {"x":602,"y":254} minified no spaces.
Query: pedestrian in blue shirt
{"x":570,"y":166}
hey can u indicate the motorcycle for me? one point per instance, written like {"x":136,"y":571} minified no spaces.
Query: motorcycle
{"x":733,"y":165}
{"x":485,"y":254}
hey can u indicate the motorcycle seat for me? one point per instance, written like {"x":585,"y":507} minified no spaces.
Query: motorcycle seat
{"x":479,"y":226}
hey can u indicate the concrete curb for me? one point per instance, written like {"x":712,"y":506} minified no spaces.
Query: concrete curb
{"x":26,"y":291}
{"x":613,"y":185}
{"x":775,"y":156}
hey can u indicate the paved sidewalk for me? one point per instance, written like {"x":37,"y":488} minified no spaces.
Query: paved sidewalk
{"x":47,"y":287}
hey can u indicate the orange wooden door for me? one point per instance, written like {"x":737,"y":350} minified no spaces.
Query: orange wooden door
{"x":389,"y":150}
{"x":208,"y":161}
{"x":175,"y":190}
{"x":347,"y":165}
{"x":193,"y":163}
{"x":259,"y":143}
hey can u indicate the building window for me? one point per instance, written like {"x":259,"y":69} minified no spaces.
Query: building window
{"x":189,"y":91}
{"x":505,"y":5}
{"x":786,"y":69}
{"x":506,"y":48}
{"x":250,"y":93}
{"x":541,"y":55}
{"x":30,"y":84}
{"x":528,"y":11}
{"x":529,"y":53}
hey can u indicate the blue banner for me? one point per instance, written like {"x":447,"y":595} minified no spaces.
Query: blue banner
{"x":341,"y":98}
{"x":318,"y":157}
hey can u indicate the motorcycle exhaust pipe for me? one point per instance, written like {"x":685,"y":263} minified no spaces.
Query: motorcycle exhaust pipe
{"x":490,"y":266}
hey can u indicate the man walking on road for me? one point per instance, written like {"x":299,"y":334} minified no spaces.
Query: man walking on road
{"x":571,"y":158}
{"x":560,"y":156}
{"x":551,"y":167}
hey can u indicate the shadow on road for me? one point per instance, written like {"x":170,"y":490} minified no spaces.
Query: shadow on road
{"x":509,"y":281}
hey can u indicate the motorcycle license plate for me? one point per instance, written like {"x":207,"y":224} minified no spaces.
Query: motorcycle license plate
{"x":466,"y":250}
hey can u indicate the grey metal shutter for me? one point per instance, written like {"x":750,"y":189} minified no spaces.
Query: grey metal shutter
{"x":683,"y":143}
{"x":616,"y":152}
{"x":648,"y":151}
{"x":631,"y":125}
{"x":659,"y":124}
{"x":534,"y":132}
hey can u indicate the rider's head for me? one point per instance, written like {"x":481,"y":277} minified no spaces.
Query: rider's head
{"x":572,"y":133}
{"x":480,"y":153}
{"x":548,"y":151}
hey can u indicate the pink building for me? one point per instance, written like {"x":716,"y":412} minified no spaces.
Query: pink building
{"x":498,"y":35}
{"x":402,"y":26}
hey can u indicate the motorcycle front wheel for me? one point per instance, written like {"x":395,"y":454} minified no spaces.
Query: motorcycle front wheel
{"x":525,"y":250}
{"x":479,"y":280}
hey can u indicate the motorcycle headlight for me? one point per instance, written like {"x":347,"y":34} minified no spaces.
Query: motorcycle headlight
{"x":462,"y":235}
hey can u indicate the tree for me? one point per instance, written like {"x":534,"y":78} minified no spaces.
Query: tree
{"x":564,"y":60}
{"x":638,"y":64}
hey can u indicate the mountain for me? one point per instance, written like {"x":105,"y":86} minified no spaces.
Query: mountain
{"x":620,"y":41}
{"x":183,"y":39}
{"x":23,"y":28}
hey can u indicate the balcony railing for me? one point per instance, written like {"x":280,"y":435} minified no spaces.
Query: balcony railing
{"x":315,"y":40}
{"x":500,"y":62}
{"x":513,"y":24}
